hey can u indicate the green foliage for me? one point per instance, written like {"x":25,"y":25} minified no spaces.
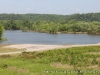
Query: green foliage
{"x":40,"y":63}
{"x":11,"y":25}
{"x":76,"y":23}
{"x":73,"y":56}
{"x":52,"y":27}
{"x":1,"y":31}
{"x":88,"y":17}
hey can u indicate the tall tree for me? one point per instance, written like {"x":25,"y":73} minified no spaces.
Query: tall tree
{"x":1,"y":31}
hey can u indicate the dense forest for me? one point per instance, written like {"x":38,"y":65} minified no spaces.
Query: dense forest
{"x":52,"y":23}
{"x":51,"y":17}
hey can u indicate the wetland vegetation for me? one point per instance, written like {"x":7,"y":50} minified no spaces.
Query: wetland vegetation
{"x":68,"y":61}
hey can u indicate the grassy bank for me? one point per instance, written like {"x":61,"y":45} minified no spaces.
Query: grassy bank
{"x":72,"y":61}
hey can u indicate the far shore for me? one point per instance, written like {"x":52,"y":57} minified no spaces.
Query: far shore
{"x":39,"y":47}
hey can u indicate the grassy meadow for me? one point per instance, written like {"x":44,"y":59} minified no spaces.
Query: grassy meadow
{"x":69,"y":61}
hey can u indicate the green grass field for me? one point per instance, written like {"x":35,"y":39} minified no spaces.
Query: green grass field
{"x":71,"y":61}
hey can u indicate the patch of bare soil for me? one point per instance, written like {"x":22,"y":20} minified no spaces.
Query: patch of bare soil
{"x":59,"y":65}
{"x":18,"y":70}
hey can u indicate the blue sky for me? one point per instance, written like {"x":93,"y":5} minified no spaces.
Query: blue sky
{"x":64,"y":7}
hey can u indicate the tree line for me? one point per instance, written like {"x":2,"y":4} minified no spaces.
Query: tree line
{"x":71,"y":26}
{"x":52,"y":23}
{"x":88,"y":17}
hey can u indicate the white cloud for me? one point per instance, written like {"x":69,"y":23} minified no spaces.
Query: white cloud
{"x":77,"y":10}
{"x":28,"y":9}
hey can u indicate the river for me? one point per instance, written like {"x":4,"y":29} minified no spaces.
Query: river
{"x":19,"y":37}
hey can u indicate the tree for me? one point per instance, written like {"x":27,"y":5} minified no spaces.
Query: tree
{"x":1,"y":31}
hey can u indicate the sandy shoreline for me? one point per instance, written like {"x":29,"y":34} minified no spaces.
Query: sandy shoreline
{"x":35,"y":47}
{"x":39,"y":47}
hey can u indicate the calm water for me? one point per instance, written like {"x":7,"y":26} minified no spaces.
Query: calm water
{"x":19,"y":37}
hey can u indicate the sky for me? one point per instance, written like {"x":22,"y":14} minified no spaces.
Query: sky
{"x":64,"y":7}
